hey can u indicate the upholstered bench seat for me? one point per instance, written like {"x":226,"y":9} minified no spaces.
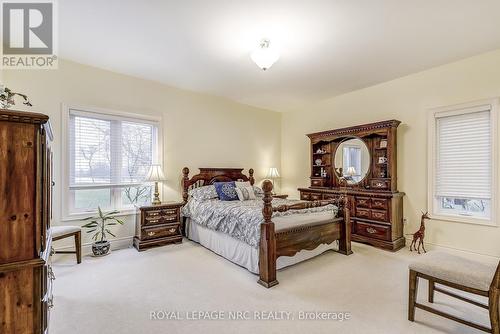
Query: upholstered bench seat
{"x":57,"y":231}
{"x":455,"y":269}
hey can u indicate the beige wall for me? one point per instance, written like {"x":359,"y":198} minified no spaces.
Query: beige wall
{"x":198,"y":130}
{"x":408,"y":100}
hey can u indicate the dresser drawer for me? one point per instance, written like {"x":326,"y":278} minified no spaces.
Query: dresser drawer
{"x":330,"y":197}
{"x":363,"y":202}
{"x":380,"y":215}
{"x":169,"y":212}
{"x":363,"y":213}
{"x":305,"y":196}
{"x":160,"y":231}
{"x":380,"y":184}
{"x":315,"y":197}
{"x":373,"y":230}
{"x":317,"y":182}
{"x":379,"y":203}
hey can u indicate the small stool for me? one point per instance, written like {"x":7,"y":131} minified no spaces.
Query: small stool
{"x":461,"y":274}
{"x":62,"y":232}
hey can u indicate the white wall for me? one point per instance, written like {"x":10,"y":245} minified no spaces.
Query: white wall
{"x":408,"y":100}
{"x":198,"y":130}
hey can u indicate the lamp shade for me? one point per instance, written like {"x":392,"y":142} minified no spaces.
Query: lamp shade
{"x":155,"y":174}
{"x":273,"y":173}
{"x":351,"y":171}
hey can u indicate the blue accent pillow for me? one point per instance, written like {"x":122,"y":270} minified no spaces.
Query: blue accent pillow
{"x":226,"y":191}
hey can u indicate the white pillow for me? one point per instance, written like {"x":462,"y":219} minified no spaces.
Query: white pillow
{"x":242,"y":184}
{"x":245,"y":193}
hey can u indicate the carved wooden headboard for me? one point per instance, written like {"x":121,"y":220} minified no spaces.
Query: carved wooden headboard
{"x":208,"y":176}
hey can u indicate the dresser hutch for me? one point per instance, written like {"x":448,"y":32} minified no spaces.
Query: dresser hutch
{"x":361,"y":163}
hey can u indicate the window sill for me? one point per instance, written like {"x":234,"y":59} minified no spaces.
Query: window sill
{"x":466,"y":220}
{"x":83,"y":215}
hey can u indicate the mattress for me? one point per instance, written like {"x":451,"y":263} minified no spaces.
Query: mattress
{"x":247,"y":256}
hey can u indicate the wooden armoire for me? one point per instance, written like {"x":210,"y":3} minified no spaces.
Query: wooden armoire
{"x":365,"y":156}
{"x":25,"y":213}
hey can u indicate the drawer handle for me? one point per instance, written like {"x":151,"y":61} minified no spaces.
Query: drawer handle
{"x":170,"y":212}
{"x":154,"y":221}
{"x":151,"y":233}
{"x":153,"y":214}
{"x":172,"y":230}
{"x":371,"y":230}
{"x":170,"y":218}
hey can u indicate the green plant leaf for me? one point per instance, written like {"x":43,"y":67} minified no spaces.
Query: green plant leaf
{"x":92,"y":231}
{"x":110,"y":233}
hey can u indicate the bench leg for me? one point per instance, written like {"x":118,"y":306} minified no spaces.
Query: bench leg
{"x":493,"y":301}
{"x":412,"y":295}
{"x":431,"y":291}
{"x":78,"y":247}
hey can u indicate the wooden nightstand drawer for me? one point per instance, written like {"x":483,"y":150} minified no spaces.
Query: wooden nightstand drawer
{"x":315,"y":197}
{"x":305,"y":196}
{"x":160,"y":231}
{"x":158,"y":225}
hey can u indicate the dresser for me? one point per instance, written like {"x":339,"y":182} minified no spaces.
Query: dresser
{"x":25,"y":213}
{"x":158,"y":225}
{"x":361,"y":163}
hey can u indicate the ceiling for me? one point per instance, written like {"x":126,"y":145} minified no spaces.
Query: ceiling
{"x":328,"y":47}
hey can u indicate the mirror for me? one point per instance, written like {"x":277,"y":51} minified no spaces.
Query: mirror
{"x":352,"y":160}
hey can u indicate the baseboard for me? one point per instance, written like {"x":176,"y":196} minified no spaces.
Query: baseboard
{"x":458,"y":250}
{"x":118,"y":243}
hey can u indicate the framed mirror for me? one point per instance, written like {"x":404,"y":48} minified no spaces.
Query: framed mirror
{"x":352,"y":160}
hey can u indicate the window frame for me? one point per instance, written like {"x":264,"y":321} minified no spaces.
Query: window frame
{"x":67,"y":215}
{"x":456,"y":110}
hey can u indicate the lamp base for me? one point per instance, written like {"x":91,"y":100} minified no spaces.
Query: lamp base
{"x":156,"y":198}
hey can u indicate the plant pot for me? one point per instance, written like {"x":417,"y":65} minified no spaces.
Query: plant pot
{"x":101,"y":248}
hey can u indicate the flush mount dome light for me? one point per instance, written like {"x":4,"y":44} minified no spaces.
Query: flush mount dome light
{"x":265,"y":55}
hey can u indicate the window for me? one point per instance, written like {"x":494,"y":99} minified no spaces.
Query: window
{"x":108,"y":156}
{"x":462,"y":163}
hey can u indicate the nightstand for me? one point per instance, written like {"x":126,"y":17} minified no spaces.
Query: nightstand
{"x":280,"y":196}
{"x":158,"y":225}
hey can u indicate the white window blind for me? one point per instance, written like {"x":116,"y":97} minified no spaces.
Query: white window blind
{"x":109,"y":151}
{"x":108,"y":157}
{"x":464,"y":154}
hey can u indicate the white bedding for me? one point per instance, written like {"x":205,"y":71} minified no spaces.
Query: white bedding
{"x":247,"y":256}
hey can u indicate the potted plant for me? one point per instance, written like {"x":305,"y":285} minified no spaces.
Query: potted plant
{"x":99,"y":226}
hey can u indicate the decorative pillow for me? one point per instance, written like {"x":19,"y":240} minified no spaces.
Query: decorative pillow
{"x":258,"y":191}
{"x":245,"y":193}
{"x":242,"y":184}
{"x":203,"y":193}
{"x":226,"y":191}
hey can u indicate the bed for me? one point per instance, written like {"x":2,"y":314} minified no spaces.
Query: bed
{"x":267,"y":233}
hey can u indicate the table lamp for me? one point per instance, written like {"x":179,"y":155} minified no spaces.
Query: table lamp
{"x":273,"y":174}
{"x":155,"y":175}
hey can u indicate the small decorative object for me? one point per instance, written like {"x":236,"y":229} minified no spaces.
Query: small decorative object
{"x":383,"y":143}
{"x":318,"y":162}
{"x":419,"y":235}
{"x":382,"y":174}
{"x":273,"y":174}
{"x":100,"y":227}
{"x":319,"y":151}
{"x":7,"y":98}
{"x":155,"y":175}
{"x":382,"y":160}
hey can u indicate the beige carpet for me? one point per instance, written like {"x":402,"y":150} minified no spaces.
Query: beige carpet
{"x":116,"y":294}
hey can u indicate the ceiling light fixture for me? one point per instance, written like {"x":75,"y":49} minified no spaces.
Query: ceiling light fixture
{"x":265,"y":55}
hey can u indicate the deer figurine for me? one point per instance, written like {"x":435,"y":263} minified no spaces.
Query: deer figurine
{"x":419,"y":235}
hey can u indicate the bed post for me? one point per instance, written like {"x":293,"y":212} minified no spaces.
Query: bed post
{"x":345,"y":229}
{"x":251,"y":179}
{"x":267,"y":253}
{"x":185,"y":184}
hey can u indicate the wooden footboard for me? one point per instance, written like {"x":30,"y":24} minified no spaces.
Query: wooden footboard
{"x":288,"y":242}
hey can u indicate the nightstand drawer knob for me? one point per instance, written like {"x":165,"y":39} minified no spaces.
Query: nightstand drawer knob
{"x":172,"y":230}
{"x":371,"y":230}
{"x":151,"y":233}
